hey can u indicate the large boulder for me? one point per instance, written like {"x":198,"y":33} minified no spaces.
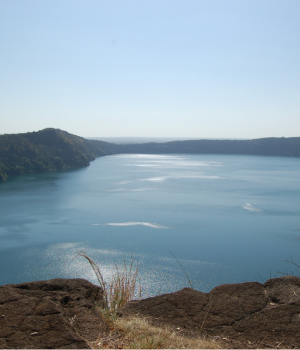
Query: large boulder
{"x":54,"y":314}
{"x":240,"y":315}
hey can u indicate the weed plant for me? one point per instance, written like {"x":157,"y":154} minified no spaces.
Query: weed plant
{"x":122,"y":287}
{"x":135,"y":332}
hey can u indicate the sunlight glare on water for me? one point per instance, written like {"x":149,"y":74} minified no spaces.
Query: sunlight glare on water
{"x":226,"y":218}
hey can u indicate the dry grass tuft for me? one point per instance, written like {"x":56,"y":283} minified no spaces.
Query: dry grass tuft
{"x":138,"y":333}
{"x":122,"y":287}
{"x":134,"y":332}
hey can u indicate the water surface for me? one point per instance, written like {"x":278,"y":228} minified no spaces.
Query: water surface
{"x":226,"y":218}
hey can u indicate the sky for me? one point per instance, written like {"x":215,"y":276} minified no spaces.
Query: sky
{"x":151,"y":68}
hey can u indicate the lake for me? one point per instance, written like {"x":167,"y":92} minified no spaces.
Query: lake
{"x":226,"y":218}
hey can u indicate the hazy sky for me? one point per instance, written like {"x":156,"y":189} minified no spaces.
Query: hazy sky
{"x":189,"y":68}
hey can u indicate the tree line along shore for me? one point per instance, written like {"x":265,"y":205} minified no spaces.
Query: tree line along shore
{"x":52,"y":150}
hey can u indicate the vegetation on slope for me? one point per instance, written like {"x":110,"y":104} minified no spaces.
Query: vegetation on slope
{"x":46,"y":151}
{"x":53,"y":149}
{"x":286,"y":147}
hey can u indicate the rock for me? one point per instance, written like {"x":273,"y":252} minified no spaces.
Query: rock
{"x":245,"y":315}
{"x":54,"y":314}
{"x":61,"y":313}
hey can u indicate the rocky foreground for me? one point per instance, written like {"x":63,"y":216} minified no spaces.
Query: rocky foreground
{"x":54,"y":314}
{"x":61,"y":313}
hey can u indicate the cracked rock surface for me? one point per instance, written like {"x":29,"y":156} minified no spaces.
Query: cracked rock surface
{"x":244,"y":315}
{"x":53,"y":314}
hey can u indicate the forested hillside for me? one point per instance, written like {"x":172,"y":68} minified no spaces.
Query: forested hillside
{"x":286,"y":147}
{"x":46,"y":151}
{"x":53,"y":149}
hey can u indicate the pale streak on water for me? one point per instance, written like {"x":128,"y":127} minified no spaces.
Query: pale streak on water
{"x":226,"y":218}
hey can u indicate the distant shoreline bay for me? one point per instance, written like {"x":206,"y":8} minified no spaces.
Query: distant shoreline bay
{"x":51,"y":150}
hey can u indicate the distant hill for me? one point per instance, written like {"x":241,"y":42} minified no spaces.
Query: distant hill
{"x":46,"y":151}
{"x":285,"y":147}
{"x":53,"y":149}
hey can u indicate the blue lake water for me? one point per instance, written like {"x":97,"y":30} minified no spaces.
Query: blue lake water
{"x":226,"y":218}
